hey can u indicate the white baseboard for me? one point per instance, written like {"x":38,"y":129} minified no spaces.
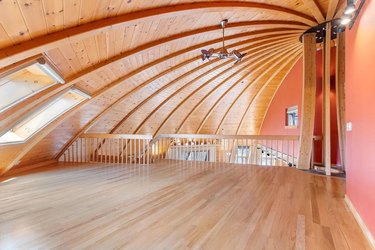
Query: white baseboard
{"x":360,"y":222}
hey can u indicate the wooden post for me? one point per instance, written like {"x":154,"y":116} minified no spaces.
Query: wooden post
{"x":327,"y":100}
{"x":340,"y":94}
{"x":308,"y":101}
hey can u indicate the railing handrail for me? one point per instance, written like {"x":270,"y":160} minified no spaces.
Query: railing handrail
{"x":195,"y":136}
{"x":250,"y":137}
{"x":118,"y":136}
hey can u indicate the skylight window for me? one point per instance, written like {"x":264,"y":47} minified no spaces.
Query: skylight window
{"x":41,"y":118}
{"x":26,"y":80}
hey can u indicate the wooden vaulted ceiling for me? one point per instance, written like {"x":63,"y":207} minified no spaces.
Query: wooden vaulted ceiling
{"x":140,"y":60}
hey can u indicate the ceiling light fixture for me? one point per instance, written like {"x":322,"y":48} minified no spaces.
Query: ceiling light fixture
{"x":346,"y":19}
{"x":350,"y":8}
{"x":223,"y":53}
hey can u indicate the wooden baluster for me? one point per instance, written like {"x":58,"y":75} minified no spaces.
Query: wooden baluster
{"x":242,"y":148}
{"x":224,"y":150}
{"x":126,"y":150}
{"x":87,"y":150}
{"x":105,"y":150}
{"x":288,"y":144}
{"x":100,"y":150}
{"x":84,"y":150}
{"x":91,"y":155}
{"x":293,"y":162}
{"x":73,"y":152}
{"x":81,"y":150}
{"x":131,"y":152}
{"x":135,"y":154}
{"x":108,"y":151}
{"x":77,"y":151}
{"x":69,"y":149}
{"x":96,"y":150}
{"x":100,"y":153}
{"x":139,"y":151}
{"x":143,"y":151}
{"x":82,"y":159}
{"x":158,"y":149}
{"x":122,"y":150}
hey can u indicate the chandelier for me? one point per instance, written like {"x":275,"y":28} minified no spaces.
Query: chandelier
{"x":223,"y":53}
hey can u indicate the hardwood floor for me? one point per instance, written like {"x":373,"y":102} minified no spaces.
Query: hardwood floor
{"x":171,"y":205}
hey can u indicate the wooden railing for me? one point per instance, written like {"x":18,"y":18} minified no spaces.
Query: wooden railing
{"x":142,"y":149}
{"x":109,"y":148}
{"x":240,"y":149}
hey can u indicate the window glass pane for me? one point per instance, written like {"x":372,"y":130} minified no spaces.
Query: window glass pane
{"x":42,"y":118}
{"x":292,"y":116}
{"x":24,"y":83}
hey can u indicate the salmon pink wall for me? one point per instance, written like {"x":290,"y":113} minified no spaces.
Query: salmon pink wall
{"x":290,"y":94}
{"x":360,"y":103}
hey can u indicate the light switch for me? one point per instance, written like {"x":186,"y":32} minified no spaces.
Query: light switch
{"x":349,"y":126}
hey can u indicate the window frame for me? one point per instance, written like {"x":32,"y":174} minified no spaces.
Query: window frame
{"x":45,"y":65}
{"x":22,"y":121}
{"x":287,"y":112}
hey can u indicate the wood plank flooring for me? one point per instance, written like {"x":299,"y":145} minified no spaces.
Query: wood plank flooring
{"x":176,"y":205}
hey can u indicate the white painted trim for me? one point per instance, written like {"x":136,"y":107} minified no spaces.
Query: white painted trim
{"x":360,"y":222}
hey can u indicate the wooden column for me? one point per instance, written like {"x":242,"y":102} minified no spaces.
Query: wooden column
{"x":326,"y":101}
{"x":308,"y":101}
{"x":340,"y":94}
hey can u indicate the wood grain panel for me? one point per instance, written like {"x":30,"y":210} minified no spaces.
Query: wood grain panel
{"x":140,"y":62}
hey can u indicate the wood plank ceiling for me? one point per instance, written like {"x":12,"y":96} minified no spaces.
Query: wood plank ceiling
{"x":140,"y":62}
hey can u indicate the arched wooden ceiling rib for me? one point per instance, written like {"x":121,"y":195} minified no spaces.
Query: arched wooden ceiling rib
{"x":9,"y":118}
{"x":245,"y":50}
{"x":275,"y":63}
{"x":206,"y":116}
{"x":41,"y":44}
{"x":292,"y":63}
{"x":291,"y":57}
{"x":181,"y":102}
{"x":278,"y":38}
{"x":249,"y":69}
{"x":315,"y":9}
{"x":182,"y":64}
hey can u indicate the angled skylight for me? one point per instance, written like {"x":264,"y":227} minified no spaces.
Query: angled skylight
{"x":26,"y":80}
{"x":42,"y":117}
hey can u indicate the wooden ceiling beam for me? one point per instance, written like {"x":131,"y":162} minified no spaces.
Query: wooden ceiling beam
{"x":249,"y":50}
{"x":12,"y":115}
{"x":332,"y":7}
{"x":101,"y":114}
{"x":315,"y":9}
{"x":285,"y":62}
{"x":218,"y":101}
{"x":280,"y":45}
{"x":283,"y":57}
{"x":190,"y":95}
{"x":273,"y":96}
{"x":41,"y":44}
{"x":195,"y":91}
